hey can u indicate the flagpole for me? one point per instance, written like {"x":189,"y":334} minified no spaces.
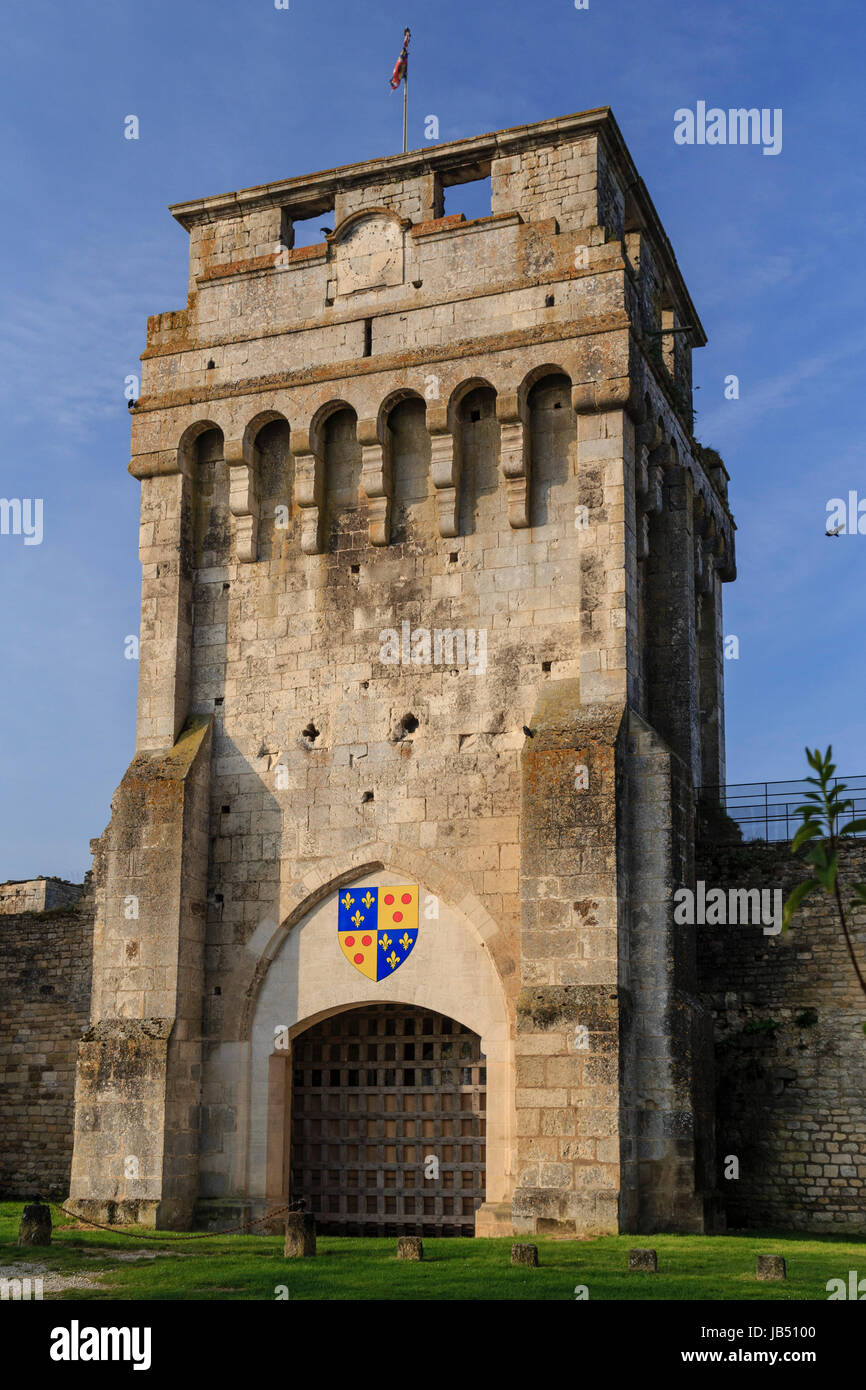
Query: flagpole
{"x":401,"y":74}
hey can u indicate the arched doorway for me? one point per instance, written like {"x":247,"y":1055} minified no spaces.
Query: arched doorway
{"x":302,"y":978}
{"x":388,"y":1126}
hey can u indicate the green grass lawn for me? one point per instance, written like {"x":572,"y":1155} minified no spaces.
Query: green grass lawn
{"x":252,"y":1267}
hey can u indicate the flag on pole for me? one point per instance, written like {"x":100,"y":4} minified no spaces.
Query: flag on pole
{"x":401,"y":67}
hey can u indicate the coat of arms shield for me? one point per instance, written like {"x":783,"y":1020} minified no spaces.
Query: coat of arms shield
{"x":378,"y":927}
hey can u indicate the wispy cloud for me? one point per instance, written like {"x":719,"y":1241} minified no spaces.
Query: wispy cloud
{"x":68,"y":345}
{"x":750,"y":279}
{"x":775,"y":393}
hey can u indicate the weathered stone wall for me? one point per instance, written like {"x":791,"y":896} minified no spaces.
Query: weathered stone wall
{"x":250,"y":234}
{"x":568,"y":182}
{"x":45,"y":970}
{"x":790,"y":1051}
{"x":417,"y":198}
{"x":420,"y":426}
{"x":139,"y":1070}
{"x":37,"y":895}
{"x":665,"y":1095}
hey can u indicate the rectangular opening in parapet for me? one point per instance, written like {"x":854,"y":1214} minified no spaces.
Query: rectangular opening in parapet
{"x":473,"y":196}
{"x":310,"y":231}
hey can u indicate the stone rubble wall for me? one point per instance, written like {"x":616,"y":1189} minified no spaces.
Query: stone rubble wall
{"x":45,"y":971}
{"x":790,"y":1050}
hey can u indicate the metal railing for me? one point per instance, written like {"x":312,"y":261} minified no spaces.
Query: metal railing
{"x":767,"y":810}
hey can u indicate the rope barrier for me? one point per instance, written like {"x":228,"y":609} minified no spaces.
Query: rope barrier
{"x":173,"y":1238}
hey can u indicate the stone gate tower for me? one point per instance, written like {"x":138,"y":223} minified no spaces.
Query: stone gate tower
{"x":431,"y":609}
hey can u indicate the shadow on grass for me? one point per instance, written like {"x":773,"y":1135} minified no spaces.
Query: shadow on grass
{"x":171,"y":1266}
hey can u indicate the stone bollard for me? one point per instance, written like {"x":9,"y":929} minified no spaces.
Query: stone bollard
{"x":35,"y":1225}
{"x":410,"y":1248}
{"x":300,"y":1235}
{"x":645,"y":1261}
{"x":770,"y":1267}
{"x":525,"y":1255}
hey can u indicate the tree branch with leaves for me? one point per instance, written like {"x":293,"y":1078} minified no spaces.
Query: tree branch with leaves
{"x":821,"y":832}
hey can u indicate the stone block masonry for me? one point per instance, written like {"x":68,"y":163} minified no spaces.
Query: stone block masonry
{"x":790,"y":1051}
{"x":427,"y":425}
{"x":483,"y":430}
{"x":45,"y":970}
{"x":137,"y":1116}
{"x":37,"y":895}
{"x":790,"y":1065}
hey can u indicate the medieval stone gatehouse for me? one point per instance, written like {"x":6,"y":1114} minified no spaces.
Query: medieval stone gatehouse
{"x":431,"y":609}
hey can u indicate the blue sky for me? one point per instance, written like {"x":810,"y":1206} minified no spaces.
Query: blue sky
{"x":234,"y":94}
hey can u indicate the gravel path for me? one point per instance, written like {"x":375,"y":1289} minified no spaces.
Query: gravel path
{"x":52,"y":1281}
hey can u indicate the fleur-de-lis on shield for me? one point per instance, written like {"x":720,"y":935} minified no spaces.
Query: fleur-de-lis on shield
{"x":405,"y":941}
{"x":393,"y":959}
{"x":368,"y":899}
{"x":347,"y":901}
{"x":357,"y":918}
{"x":386,"y":942}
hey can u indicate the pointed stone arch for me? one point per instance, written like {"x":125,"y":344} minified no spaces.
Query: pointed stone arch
{"x":543,"y":437}
{"x":537,"y":374}
{"x":404,"y":473}
{"x":261,"y":480}
{"x":395,"y":398}
{"x":309,"y":447}
{"x":299,"y":973}
{"x":204,"y":457}
{"x":255,"y":426}
{"x":189,"y":438}
{"x":476,"y":451}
